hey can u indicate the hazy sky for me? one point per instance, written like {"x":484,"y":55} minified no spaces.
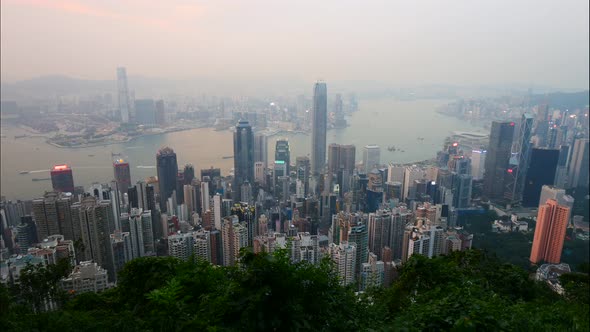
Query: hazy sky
{"x":400,"y":42}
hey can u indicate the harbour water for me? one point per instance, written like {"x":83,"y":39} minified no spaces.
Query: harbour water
{"x":384,"y":122}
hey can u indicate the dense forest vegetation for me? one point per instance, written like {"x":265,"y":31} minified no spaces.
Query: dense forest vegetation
{"x":467,"y":290}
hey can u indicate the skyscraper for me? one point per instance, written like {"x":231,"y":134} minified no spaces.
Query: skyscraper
{"x":303,"y":167}
{"x":542,"y":166}
{"x":122,"y":174}
{"x":519,"y":163}
{"x":497,"y":159}
{"x":552,"y":221}
{"x":344,"y":257}
{"x":62,"y":178}
{"x":124,"y":104}
{"x":319,"y":127}
{"x":281,"y":165}
{"x":167,"y":168}
{"x":341,"y":157}
{"x":578,"y":166}
{"x":243,"y":157}
{"x":145,"y":112}
{"x":371,"y":157}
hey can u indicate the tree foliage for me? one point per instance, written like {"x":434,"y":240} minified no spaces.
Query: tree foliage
{"x":462,"y":291}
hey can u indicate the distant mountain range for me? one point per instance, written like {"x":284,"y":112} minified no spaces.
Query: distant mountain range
{"x":51,"y":87}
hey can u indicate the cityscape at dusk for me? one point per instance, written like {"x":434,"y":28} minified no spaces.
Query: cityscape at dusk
{"x":349,"y":167}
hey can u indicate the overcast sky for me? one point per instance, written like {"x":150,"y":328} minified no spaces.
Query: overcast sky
{"x":399,"y":42}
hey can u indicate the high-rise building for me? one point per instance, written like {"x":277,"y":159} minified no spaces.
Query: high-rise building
{"x":243,"y":157}
{"x":121,"y":248}
{"x":552,"y":221}
{"x":261,"y":149}
{"x":138,"y":224}
{"x":26,"y":233}
{"x":558,"y":194}
{"x":578,"y":165}
{"x":53,"y":215}
{"x":359,"y":236}
{"x":303,"y":167}
{"x":319,"y":128}
{"x":62,"y":178}
{"x":96,"y":223}
{"x":478,"y":159}
{"x":124,"y":103}
{"x":167,"y":168}
{"x":371,"y":157}
{"x":281,"y":166}
{"x":160,"y":113}
{"x":497,"y":159}
{"x":145,"y":112}
{"x":542,"y":166}
{"x":122,"y":174}
{"x":518,"y":164}
{"x":189,"y":174}
{"x":372,"y":273}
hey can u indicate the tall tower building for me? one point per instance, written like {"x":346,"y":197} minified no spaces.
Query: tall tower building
{"x":552,"y":222}
{"x":542,"y":166}
{"x":243,"y":157}
{"x":319,"y":128}
{"x":122,"y":174}
{"x":578,"y":166}
{"x":371,"y":157}
{"x":53,"y":216}
{"x":138,"y":224}
{"x":281,"y":166}
{"x":497,"y":159}
{"x":124,"y":103}
{"x":62,"y":178}
{"x":515,"y":179}
{"x":167,"y":168}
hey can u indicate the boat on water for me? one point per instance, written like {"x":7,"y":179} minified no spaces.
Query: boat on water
{"x":391,"y":148}
{"x":23,"y":172}
{"x":90,"y":155}
{"x":41,"y":179}
{"x":227,"y":157}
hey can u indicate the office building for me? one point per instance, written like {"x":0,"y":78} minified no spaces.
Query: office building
{"x":542,"y":166}
{"x":243,"y":158}
{"x":160,"y":113}
{"x":122,"y":174}
{"x":303,"y":168}
{"x":371,"y":157}
{"x":123,"y":93}
{"x":281,"y":166}
{"x":26,"y":234}
{"x":167,"y":168}
{"x":578,"y":165}
{"x":62,"y":178}
{"x":497,"y":159}
{"x":121,"y":248}
{"x":53,"y":215}
{"x":319,"y":127}
{"x":552,"y":221}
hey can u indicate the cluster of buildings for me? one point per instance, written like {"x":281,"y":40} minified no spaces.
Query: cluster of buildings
{"x":367,"y":217}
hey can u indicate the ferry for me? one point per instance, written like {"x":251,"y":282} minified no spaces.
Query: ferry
{"x":41,"y":179}
{"x":227,"y":157}
{"x":23,"y":172}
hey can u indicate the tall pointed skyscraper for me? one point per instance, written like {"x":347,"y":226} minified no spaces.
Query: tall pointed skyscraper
{"x":319,"y":128}
{"x":123,"y":94}
{"x":243,"y":157}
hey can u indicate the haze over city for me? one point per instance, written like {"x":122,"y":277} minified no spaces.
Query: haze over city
{"x":396,"y":42}
{"x":294,"y":166}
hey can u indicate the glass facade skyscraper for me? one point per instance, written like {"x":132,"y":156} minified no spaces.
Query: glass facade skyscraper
{"x":319,"y":128}
{"x":243,"y":157}
{"x":167,"y":168}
